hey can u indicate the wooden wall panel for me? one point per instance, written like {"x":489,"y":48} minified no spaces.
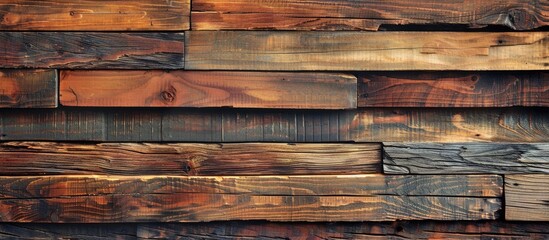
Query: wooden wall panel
{"x":527,"y":197}
{"x":465,"y":158}
{"x":208,"y":89}
{"x":453,"y":89}
{"x":89,"y":15}
{"x":363,"y":15}
{"x":355,"y":51}
{"x":91,"y":50}
{"x":28,"y":88}
{"x":32,"y":158}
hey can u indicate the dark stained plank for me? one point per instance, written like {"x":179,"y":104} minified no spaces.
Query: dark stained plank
{"x":354,"y":51}
{"x":527,"y":197}
{"x":89,"y":15}
{"x":363,"y":15}
{"x":463,"y":158}
{"x":453,"y":89}
{"x":25,"y":231}
{"x":91,"y":50}
{"x":300,"y":185}
{"x":28,"y":88}
{"x":38,"y":158}
{"x":207,"y":89}
{"x":230,"y":125}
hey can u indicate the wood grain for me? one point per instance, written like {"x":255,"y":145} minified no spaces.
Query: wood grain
{"x":208,"y":89}
{"x":28,"y":88}
{"x":354,"y":51}
{"x":364,"y":15}
{"x":527,"y":197}
{"x":91,"y":50}
{"x":39,"y":158}
{"x":89,"y":15}
{"x":465,"y":158}
{"x":453,"y":89}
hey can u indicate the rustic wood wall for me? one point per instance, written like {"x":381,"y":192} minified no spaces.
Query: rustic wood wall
{"x":289,"y":119}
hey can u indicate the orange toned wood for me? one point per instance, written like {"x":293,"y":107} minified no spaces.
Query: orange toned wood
{"x":208,"y":89}
{"x":28,"y":88}
{"x":527,"y":197}
{"x":90,"y":15}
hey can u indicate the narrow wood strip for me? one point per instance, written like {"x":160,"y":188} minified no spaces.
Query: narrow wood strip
{"x":363,"y":15}
{"x":91,"y":50}
{"x":463,"y":158}
{"x":208,"y":89}
{"x":298,"y":51}
{"x":28,"y":88}
{"x":32,"y":158}
{"x":527,"y":197}
{"x":303,"y":185}
{"x":89,"y":15}
{"x":453,"y":89}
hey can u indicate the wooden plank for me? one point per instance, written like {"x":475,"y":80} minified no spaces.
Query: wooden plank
{"x":89,"y":15}
{"x":453,"y":89}
{"x":212,"y":125}
{"x":363,"y":15}
{"x":354,"y":51}
{"x":207,"y":89}
{"x":465,"y":158}
{"x":91,"y":50}
{"x":28,"y":88}
{"x":527,"y":197}
{"x":25,"y":231}
{"x":39,"y":158}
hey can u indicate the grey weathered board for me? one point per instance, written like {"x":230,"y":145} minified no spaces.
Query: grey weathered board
{"x":527,"y":197}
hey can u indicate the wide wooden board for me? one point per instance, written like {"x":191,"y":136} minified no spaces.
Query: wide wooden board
{"x":527,"y":197}
{"x":207,"y":89}
{"x":364,"y":15}
{"x":354,"y":51}
{"x":91,"y":50}
{"x":90,"y":15}
{"x":28,"y":88}
{"x":38,"y":158}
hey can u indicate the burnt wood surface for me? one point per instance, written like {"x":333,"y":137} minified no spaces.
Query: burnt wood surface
{"x":28,"y":88}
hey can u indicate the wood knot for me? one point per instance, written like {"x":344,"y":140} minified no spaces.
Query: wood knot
{"x":520,"y":19}
{"x":168,"y":95}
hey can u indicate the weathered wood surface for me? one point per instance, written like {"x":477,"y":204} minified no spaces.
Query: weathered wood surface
{"x":38,"y":158}
{"x":91,"y":50}
{"x":89,"y":15}
{"x":300,"y":185}
{"x":28,"y":88}
{"x":354,"y":51}
{"x":463,"y":158}
{"x":363,"y":15}
{"x":208,"y":89}
{"x":527,"y":197}
{"x":453,"y":89}
{"x":228,"y":125}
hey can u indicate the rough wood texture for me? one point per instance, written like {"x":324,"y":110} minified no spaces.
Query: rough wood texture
{"x":277,"y":198}
{"x":90,"y":15}
{"x":227,"y":125}
{"x":440,"y":158}
{"x":208,"y":89}
{"x":354,"y":51}
{"x":527,"y":197}
{"x":28,"y":88}
{"x":453,"y":89}
{"x":364,"y":15}
{"x":91,"y":50}
{"x":32,"y":158}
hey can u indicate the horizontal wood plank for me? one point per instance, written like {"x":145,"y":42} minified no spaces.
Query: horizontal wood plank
{"x":354,"y":51}
{"x":363,"y":15}
{"x":207,"y":89}
{"x":463,"y":158}
{"x":33,"y":158}
{"x":28,"y":88}
{"x":453,"y":89}
{"x":228,"y":125}
{"x":527,"y":197}
{"x":91,"y":50}
{"x":89,"y":15}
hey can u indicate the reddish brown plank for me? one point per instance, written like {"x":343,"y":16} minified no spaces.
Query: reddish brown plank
{"x":28,"y":88}
{"x":527,"y":197}
{"x":208,"y":89}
